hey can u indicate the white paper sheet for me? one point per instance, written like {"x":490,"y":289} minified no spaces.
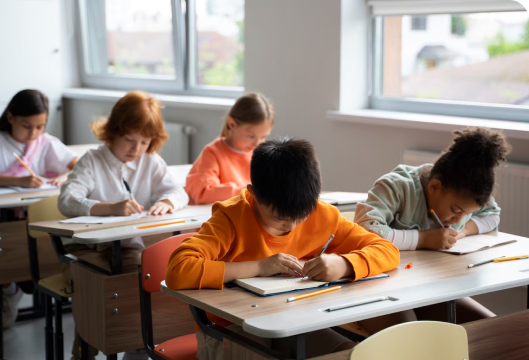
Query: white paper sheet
{"x":339,"y":198}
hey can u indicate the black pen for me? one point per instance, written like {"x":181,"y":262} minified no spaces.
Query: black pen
{"x":128,"y":189}
{"x":326,"y":244}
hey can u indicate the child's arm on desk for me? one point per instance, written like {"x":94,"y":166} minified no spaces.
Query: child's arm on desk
{"x":275,"y":264}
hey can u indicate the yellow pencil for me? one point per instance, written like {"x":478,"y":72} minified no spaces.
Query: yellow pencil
{"x":163,"y":224}
{"x":512,"y":258}
{"x":24,"y":165}
{"x":324,"y":291}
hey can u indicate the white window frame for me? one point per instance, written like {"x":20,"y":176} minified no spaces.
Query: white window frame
{"x":380,"y":8}
{"x":184,"y":52}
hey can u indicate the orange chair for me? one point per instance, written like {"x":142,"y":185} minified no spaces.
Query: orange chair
{"x":154,"y":262}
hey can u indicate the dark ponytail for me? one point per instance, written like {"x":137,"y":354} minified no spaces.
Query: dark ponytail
{"x":468,"y":165}
{"x":24,"y":103}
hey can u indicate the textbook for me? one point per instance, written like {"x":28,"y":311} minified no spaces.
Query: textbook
{"x":274,"y":285}
{"x":475,"y":243}
{"x":340,"y":198}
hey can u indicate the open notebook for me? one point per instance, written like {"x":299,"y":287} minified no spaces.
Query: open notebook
{"x":102,"y":219}
{"x":16,"y":189}
{"x":273,"y":285}
{"x":475,"y":243}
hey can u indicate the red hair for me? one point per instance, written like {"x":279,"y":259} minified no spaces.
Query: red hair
{"x":135,"y":112}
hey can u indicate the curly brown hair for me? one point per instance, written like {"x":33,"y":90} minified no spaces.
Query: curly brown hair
{"x":467,"y":166}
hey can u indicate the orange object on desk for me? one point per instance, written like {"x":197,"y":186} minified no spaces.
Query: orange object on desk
{"x":408,"y":266}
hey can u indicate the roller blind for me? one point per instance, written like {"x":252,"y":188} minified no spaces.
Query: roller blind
{"x":411,"y":7}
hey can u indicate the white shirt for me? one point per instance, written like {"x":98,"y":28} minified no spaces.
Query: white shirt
{"x":54,"y":156}
{"x":98,"y":177}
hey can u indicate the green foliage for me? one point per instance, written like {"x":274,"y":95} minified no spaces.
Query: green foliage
{"x":499,"y":45}
{"x":459,"y":25}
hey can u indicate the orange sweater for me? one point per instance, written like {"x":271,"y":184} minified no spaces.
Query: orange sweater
{"x":235,"y":234}
{"x":218,"y":174}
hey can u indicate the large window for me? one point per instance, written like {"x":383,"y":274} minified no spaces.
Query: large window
{"x":172,"y":46}
{"x":468,"y":64}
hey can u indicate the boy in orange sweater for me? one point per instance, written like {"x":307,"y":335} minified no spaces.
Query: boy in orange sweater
{"x":268,"y":228}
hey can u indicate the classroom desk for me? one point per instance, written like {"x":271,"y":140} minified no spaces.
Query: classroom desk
{"x":434,"y":278}
{"x":194,"y":216}
{"x":25,"y":198}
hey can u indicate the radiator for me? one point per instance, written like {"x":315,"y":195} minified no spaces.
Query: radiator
{"x":511,"y":192}
{"x":176,"y":149}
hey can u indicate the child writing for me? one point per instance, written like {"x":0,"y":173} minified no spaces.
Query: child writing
{"x":223,"y":168}
{"x":132,"y":134}
{"x":457,"y":188}
{"x":264,"y":230}
{"x":22,"y":131}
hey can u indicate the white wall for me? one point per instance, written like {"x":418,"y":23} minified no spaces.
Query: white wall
{"x":38,"y":52}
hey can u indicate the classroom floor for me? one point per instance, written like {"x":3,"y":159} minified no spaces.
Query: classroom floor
{"x":25,"y":340}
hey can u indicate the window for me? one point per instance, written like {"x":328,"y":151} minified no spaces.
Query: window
{"x":479,"y":60}
{"x":418,"y":22}
{"x":171,"y":46}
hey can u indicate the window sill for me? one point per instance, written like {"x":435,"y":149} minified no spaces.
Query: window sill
{"x":189,"y":102}
{"x":512,"y":129}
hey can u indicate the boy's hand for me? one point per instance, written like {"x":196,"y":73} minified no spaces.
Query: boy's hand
{"x":126,"y":208}
{"x":30,"y":182}
{"x":327,"y":267}
{"x":160,"y":208}
{"x":437,"y":239}
{"x":280,"y":263}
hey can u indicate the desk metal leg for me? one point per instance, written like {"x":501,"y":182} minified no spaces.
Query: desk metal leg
{"x":59,"y":339}
{"x":112,"y":357}
{"x":84,"y":349}
{"x":297,"y":347}
{"x":220,"y":333}
{"x":117,"y":261}
{"x":451,"y":308}
{"x":48,"y":338}
{"x":1,"y":322}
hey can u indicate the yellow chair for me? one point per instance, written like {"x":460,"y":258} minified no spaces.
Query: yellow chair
{"x":416,"y":340}
{"x":349,"y":215}
{"x":51,"y":286}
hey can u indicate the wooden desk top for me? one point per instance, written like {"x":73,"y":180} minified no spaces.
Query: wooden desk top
{"x":69,"y":230}
{"x":16,"y":199}
{"x":435,"y":277}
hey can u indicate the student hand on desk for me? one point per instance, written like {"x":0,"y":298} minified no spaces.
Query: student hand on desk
{"x":280,"y":263}
{"x":161,"y":207}
{"x":30,"y":182}
{"x":436,"y":239}
{"x":328,"y":267}
{"x":58,"y":180}
{"x":126,"y":208}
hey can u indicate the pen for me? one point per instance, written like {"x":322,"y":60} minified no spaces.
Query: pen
{"x":324,"y":291}
{"x":24,"y":165}
{"x":437,"y":218}
{"x":484,"y":262}
{"x":128,"y":189}
{"x":33,"y":198}
{"x":357,"y":303}
{"x":512,"y":258}
{"x":156,"y":225}
{"x":326,"y":244}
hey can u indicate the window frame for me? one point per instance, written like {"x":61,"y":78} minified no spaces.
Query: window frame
{"x":427,"y":106}
{"x":184,"y":52}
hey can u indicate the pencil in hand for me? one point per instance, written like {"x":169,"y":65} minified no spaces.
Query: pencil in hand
{"x":24,"y":165}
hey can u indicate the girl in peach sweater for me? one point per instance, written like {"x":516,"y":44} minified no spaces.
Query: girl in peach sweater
{"x":222,"y":170}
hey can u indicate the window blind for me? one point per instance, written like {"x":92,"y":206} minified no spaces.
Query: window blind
{"x":412,"y":7}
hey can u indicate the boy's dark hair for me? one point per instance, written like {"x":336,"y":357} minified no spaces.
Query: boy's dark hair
{"x":285,"y":175}
{"x":467,"y":166}
{"x":25,"y":103}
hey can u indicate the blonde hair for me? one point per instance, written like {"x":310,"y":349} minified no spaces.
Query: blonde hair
{"x":251,"y":108}
{"x":136,"y":111}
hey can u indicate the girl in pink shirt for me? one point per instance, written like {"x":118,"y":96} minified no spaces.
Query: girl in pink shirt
{"x":222,"y":170}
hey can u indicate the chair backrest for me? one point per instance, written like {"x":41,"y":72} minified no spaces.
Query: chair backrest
{"x":417,"y":340}
{"x":154,"y":261}
{"x":349,"y":215}
{"x":44,"y":210}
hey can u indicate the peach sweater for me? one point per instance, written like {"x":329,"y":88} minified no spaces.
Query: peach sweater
{"x":218,"y":174}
